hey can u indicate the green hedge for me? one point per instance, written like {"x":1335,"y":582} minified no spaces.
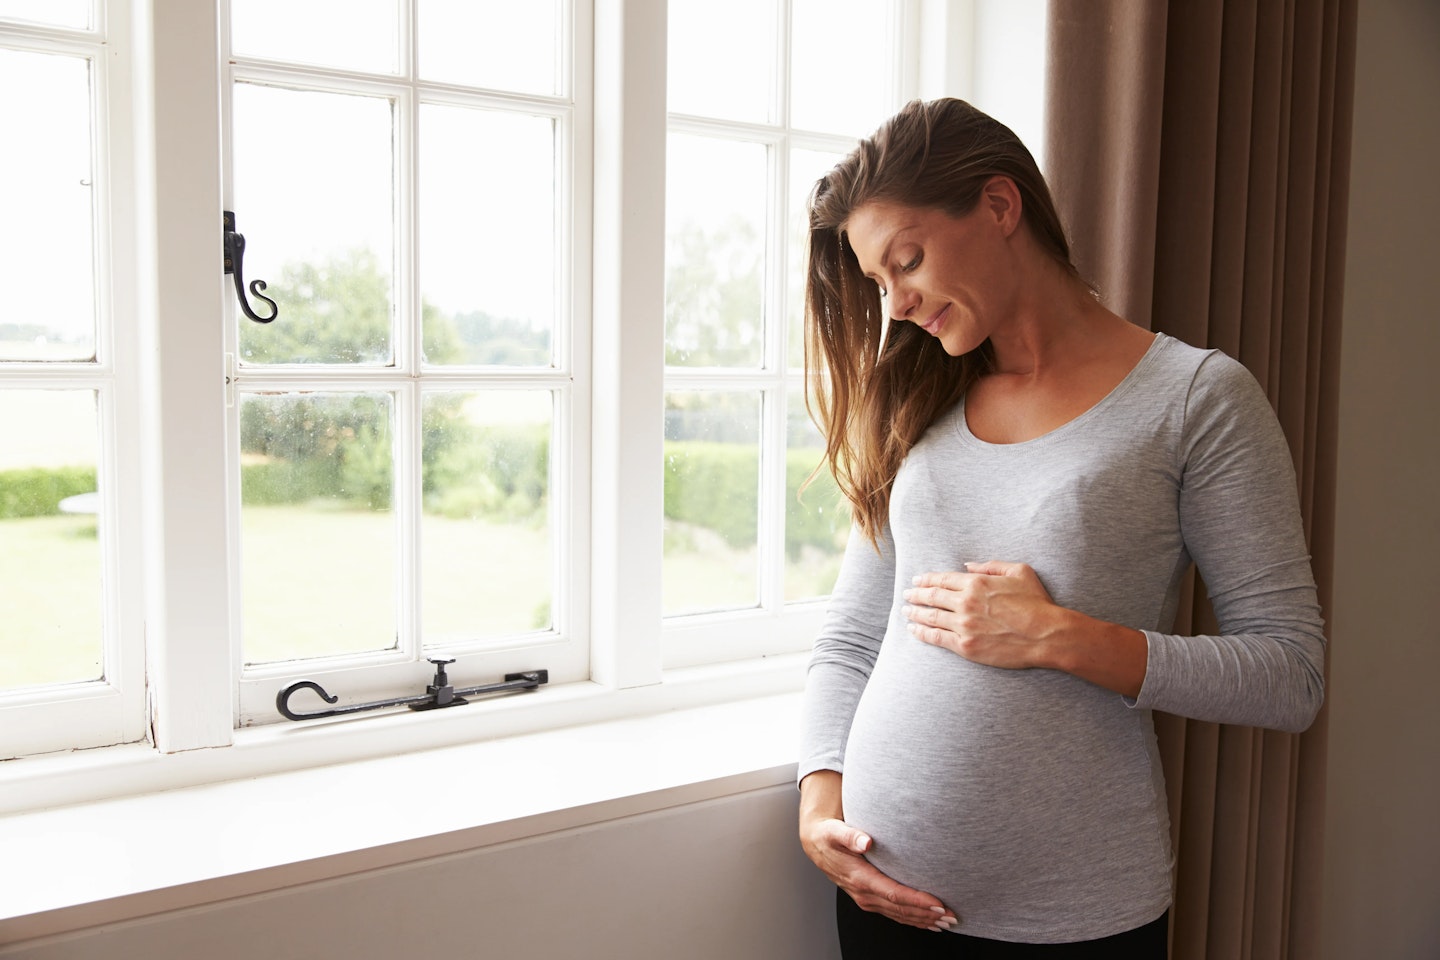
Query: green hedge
{"x":715,"y":485}
{"x":505,"y":473}
{"x":37,"y":492}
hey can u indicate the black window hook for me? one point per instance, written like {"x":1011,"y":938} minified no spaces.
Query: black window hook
{"x":437,"y":695}
{"x":235,"y":265}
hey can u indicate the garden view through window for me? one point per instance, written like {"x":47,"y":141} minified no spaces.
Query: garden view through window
{"x":405,"y":469}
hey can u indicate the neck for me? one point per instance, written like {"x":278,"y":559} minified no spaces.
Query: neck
{"x":1055,"y":320}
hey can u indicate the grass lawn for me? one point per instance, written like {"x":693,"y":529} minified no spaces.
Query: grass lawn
{"x":49,"y":600}
{"x":319,"y":582}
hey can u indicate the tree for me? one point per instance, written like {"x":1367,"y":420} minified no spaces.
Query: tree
{"x":713,"y":293}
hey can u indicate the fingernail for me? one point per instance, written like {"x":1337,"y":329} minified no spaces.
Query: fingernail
{"x":915,"y":579}
{"x":936,"y":929}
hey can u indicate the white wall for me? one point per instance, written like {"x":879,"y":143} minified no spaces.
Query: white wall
{"x":710,"y":881}
{"x":1382,"y":856}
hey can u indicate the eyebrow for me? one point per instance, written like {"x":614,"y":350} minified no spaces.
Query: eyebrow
{"x":884,"y":254}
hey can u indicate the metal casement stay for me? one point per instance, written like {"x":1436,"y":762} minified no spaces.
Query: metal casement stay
{"x":235,"y":265}
{"x":438,"y":694}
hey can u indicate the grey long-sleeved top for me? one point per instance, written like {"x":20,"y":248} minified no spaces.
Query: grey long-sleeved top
{"x":1030,"y":801}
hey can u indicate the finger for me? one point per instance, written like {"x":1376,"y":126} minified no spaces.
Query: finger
{"x":934,"y":636}
{"x":922,"y":616}
{"x":878,"y":893}
{"x":996,"y":568}
{"x":903,"y":904}
{"x":944,"y":579}
{"x":941,"y":596}
{"x":840,"y":834}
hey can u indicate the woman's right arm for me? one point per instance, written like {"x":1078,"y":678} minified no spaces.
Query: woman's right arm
{"x":845,"y":650}
{"x":838,"y":849}
{"x":844,"y":654}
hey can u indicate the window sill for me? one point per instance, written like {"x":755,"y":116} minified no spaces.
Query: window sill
{"x":172,"y":846}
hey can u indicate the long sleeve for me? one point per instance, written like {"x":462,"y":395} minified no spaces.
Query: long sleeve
{"x":1240,"y":520}
{"x":845,"y":651}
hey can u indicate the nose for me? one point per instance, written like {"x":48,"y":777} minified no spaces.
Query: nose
{"x":903,"y":302}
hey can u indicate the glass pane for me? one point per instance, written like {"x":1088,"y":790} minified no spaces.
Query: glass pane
{"x":806,"y":167}
{"x":488,"y":244}
{"x":353,"y":34}
{"x":817,"y":522}
{"x":314,"y":201}
{"x":317,"y":534}
{"x":50,"y":588}
{"x":47,"y":240}
{"x":841,"y":78}
{"x":55,"y":13}
{"x":486,"y":535}
{"x":714,"y":252}
{"x":712,"y":482}
{"x":497,"y":44}
{"x":722,"y":59}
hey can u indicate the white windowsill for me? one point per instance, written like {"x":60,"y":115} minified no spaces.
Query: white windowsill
{"x":127,"y":856}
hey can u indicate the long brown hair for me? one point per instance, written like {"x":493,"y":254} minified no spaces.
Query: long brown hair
{"x":873,"y":402}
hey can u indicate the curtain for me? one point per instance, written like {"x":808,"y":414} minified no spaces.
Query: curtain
{"x":1199,"y":153}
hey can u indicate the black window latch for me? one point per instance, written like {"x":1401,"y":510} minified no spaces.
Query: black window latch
{"x":437,"y":695}
{"x":235,"y":266}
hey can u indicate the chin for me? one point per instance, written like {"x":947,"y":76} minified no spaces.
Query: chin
{"x":955,"y":346}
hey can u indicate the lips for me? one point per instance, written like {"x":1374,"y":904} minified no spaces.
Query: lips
{"x":933,"y":325}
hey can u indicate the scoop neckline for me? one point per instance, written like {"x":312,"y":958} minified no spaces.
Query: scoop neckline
{"x":962,"y":424}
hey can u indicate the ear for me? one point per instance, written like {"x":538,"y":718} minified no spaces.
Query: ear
{"x":1000,"y":198}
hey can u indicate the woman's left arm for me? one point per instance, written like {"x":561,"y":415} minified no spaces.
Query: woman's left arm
{"x":999,"y":614}
{"x":1240,"y":517}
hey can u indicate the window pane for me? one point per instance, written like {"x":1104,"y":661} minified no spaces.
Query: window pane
{"x":841,"y":78}
{"x":317,"y":534}
{"x":47,"y":240}
{"x":817,"y":522}
{"x":712,"y":478}
{"x":806,"y":167}
{"x":497,"y":44}
{"x":353,"y":34}
{"x":722,"y":59}
{"x":55,"y":13}
{"x":714,"y":252}
{"x":50,"y":588}
{"x":313,"y":194}
{"x":486,"y":536}
{"x":488,"y":244}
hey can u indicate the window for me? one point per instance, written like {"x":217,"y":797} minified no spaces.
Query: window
{"x":503,"y":380}
{"x":70,"y":659}
{"x":743,"y":154}
{"x":406,"y":428}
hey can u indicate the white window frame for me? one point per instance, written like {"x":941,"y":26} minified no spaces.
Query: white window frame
{"x":562,"y":651}
{"x":773,"y":626}
{"x":110,"y":710}
{"x":184,"y":604}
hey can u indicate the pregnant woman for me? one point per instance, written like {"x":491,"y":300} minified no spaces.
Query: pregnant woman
{"x":1030,"y":476}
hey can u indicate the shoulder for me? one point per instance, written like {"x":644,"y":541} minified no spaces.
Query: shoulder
{"x":1222,"y":385}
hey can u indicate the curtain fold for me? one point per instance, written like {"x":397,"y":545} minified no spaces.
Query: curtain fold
{"x":1199,"y":153}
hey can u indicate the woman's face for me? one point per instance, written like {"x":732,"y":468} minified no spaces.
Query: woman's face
{"x":949,"y":275}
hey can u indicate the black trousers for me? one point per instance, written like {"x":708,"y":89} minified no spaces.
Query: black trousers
{"x":870,"y":936}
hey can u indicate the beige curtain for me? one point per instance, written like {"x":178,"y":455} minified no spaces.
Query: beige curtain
{"x":1199,"y":151}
